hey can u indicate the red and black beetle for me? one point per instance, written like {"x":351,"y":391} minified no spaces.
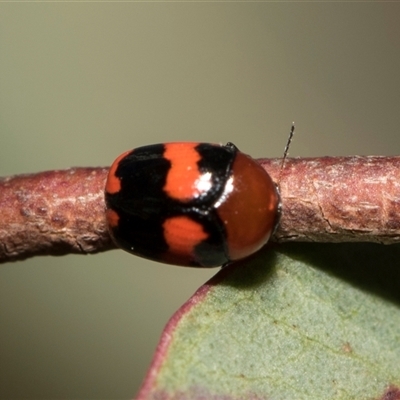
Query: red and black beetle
{"x":191,"y":204}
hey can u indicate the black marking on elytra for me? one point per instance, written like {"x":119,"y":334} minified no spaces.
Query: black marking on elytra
{"x":143,"y":206}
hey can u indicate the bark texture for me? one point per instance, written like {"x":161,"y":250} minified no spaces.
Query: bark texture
{"x":338,"y":199}
{"x":54,"y":213}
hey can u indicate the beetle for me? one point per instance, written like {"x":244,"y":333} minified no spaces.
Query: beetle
{"x":190,"y":204}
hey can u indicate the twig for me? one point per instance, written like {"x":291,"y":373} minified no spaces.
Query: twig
{"x":328,"y":199}
{"x":339,"y":199}
{"x":53,"y":213}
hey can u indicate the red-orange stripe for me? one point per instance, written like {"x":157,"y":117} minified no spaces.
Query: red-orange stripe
{"x":113,"y":184}
{"x":184,"y":172}
{"x":182,"y":234}
{"x":112,"y":218}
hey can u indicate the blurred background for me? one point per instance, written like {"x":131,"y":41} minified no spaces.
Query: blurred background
{"x":82,"y":82}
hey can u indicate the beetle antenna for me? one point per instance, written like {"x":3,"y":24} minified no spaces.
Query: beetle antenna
{"x":286,"y":151}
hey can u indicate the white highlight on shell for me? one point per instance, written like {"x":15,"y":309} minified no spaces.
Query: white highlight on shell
{"x":229,"y":186}
{"x":204,"y":183}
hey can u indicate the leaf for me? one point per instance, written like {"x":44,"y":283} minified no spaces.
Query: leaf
{"x":300,"y":321}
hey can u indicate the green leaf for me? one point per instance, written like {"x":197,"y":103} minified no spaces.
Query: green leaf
{"x":300,"y":321}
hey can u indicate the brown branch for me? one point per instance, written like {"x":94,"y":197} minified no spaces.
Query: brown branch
{"x":339,"y":199}
{"x":53,"y":213}
{"x":323,"y":200}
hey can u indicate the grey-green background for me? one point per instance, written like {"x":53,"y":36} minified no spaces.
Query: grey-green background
{"x":82,"y":82}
